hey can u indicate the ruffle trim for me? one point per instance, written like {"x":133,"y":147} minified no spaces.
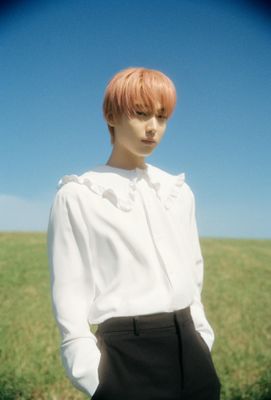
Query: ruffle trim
{"x":175,"y":190}
{"x":127,"y":204}
{"x":100,"y":190}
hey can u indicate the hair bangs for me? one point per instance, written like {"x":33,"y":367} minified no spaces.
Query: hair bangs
{"x":139,"y":89}
{"x":155,"y":93}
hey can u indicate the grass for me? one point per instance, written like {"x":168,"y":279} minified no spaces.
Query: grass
{"x":237,"y":301}
{"x":237,"y":297}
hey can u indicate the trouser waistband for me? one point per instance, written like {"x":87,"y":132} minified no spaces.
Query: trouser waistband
{"x":139,"y":323}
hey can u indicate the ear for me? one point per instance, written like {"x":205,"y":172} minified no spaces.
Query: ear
{"x":110,"y":120}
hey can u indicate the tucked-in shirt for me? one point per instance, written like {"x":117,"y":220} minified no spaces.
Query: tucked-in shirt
{"x":121,"y":243}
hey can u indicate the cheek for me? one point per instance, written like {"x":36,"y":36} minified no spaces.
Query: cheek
{"x":130,"y":134}
{"x":135,"y":129}
{"x":163,"y":129}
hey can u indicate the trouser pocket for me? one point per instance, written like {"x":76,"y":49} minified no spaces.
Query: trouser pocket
{"x":200,"y":372}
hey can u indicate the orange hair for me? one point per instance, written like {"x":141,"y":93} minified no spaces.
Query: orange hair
{"x":137,"y":88}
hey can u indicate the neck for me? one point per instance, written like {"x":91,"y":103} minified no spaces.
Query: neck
{"x":125,"y":161}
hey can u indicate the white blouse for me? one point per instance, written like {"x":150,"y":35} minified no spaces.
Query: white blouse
{"x":120,"y":243}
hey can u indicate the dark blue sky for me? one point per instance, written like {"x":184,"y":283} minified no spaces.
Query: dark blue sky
{"x":56,"y":58}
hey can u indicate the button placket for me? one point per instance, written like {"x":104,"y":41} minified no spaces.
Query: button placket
{"x":159,"y":238}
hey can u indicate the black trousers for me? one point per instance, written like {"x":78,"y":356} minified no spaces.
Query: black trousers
{"x":154,"y":357}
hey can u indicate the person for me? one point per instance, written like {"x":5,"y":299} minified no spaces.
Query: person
{"x":124,"y":255}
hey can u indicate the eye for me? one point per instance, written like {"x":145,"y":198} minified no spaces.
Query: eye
{"x":162,"y":117}
{"x":141,"y":113}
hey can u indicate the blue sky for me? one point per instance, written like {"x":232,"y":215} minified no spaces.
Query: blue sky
{"x":56,"y":58}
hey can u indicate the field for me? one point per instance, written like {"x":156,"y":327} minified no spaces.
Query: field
{"x":237,"y":301}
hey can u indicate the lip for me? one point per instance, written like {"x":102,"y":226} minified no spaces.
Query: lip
{"x":148,"y":141}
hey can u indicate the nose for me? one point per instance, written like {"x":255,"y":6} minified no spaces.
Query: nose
{"x":151,"y":126}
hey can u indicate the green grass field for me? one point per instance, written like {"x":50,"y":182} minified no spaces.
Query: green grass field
{"x":237,"y":301}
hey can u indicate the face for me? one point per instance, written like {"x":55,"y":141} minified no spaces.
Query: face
{"x":140,"y":135}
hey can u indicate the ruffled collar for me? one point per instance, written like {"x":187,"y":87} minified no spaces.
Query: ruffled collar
{"x":118,"y":185}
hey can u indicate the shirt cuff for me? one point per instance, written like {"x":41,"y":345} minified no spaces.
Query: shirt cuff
{"x":202,"y":325}
{"x":81,"y":358}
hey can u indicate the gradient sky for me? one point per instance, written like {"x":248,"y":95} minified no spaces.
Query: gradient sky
{"x":56,"y":58}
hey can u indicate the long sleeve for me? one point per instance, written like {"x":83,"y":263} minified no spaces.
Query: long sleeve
{"x":197,"y":310}
{"x":72,"y":289}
